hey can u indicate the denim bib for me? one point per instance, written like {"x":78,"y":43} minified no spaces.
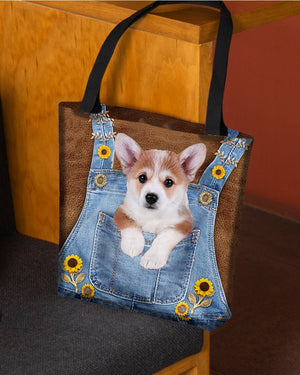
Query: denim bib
{"x":93,"y":267}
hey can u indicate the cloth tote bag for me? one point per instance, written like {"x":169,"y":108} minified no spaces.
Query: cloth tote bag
{"x":195,"y":285}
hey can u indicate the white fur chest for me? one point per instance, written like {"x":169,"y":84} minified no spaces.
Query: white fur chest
{"x":155,"y":221}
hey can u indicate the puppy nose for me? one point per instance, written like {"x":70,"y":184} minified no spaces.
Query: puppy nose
{"x":151,"y":198}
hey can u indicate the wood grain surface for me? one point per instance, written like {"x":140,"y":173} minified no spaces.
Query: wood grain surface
{"x":162,"y":64}
{"x":197,"y":364}
{"x":46,"y":58}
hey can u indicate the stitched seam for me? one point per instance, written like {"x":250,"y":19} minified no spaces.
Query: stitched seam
{"x":156,"y":284}
{"x":139,"y":298}
{"x":187,"y":271}
{"x":213,"y":260}
{"x":115,"y":265}
{"x":76,"y":228}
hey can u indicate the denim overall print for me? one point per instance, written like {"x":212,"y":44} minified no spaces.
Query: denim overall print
{"x":93,"y":267}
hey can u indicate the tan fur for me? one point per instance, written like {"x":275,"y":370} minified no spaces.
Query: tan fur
{"x":148,"y":163}
{"x":123,"y":221}
{"x":185,"y":227}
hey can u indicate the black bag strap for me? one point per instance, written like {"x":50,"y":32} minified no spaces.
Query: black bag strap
{"x":214,"y":118}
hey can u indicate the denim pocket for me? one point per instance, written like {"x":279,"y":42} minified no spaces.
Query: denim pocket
{"x":116,"y":273}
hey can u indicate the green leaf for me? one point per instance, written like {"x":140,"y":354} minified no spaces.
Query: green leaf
{"x":206,"y":303}
{"x":192,"y":299}
{"x":65,"y":278}
{"x":80,"y":278}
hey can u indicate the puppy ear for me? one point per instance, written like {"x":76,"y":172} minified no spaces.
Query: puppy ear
{"x":127,"y":151}
{"x":192,"y":158}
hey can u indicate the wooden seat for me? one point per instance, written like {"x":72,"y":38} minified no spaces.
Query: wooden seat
{"x":197,"y":364}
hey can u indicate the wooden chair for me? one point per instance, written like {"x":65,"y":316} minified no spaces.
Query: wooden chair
{"x":197,"y":364}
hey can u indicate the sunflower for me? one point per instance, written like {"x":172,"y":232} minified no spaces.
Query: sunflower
{"x":104,"y":152}
{"x":87,"y":291}
{"x":218,"y":172}
{"x":203,"y":287}
{"x":205,"y":198}
{"x":181,"y":309}
{"x":72,"y":263}
{"x":100,"y":180}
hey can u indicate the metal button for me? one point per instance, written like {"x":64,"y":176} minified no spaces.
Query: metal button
{"x":205,"y":198}
{"x":100,"y":180}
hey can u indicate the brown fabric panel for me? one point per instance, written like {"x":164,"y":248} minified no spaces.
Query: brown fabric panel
{"x":150,"y":131}
{"x":151,"y":137}
{"x":75,"y":154}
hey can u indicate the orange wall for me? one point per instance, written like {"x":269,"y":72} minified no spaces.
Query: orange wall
{"x":262,"y":98}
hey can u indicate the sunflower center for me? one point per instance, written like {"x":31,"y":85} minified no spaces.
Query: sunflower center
{"x":181,"y":309}
{"x":218,"y":172}
{"x":104,"y":152}
{"x":87,"y":291}
{"x":72,"y":262}
{"x":204,"y":286}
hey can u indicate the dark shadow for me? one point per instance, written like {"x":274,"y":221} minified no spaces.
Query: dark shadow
{"x":261,"y":338}
{"x":7,"y":222}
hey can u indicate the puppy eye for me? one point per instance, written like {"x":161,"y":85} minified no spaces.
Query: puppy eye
{"x":142,"y":178}
{"x":168,"y":183}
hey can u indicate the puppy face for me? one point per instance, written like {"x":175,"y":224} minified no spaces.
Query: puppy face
{"x":157,"y":179}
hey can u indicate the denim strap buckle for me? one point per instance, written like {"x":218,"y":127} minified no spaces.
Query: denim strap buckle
{"x":103,"y":135}
{"x":226,"y":160}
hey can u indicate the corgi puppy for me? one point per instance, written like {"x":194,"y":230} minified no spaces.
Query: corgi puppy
{"x":156,"y":199}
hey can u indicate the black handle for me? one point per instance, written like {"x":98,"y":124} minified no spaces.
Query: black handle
{"x":214,"y":118}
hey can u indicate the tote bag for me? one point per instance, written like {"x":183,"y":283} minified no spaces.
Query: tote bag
{"x":194,"y":286}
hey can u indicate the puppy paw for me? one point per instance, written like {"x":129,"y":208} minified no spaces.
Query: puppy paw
{"x":132,"y":242}
{"x":153,"y":260}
